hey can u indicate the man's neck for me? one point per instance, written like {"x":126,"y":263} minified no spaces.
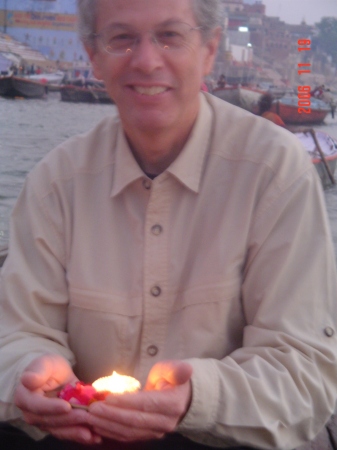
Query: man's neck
{"x":155,"y":152}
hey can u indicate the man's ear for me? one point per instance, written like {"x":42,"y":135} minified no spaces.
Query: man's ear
{"x":212,"y":46}
{"x":94,"y":59}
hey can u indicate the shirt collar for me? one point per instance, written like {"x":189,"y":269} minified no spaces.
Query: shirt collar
{"x":126,"y":168}
{"x":187,"y":167}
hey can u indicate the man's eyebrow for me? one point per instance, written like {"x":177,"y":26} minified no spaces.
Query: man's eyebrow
{"x":117,"y":25}
{"x":171,"y":21}
{"x":127,"y":25}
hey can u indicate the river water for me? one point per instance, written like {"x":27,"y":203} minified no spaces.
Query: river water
{"x":31,"y":128}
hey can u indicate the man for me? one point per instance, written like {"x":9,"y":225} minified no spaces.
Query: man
{"x":183,"y":242}
{"x":265,"y":104}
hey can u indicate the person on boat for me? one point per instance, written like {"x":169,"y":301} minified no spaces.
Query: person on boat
{"x":222,"y":81}
{"x":318,"y":92}
{"x":333,"y":107}
{"x":183,"y":241}
{"x":265,"y":104}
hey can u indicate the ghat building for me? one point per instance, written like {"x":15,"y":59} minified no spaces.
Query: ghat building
{"x":48,"y":26}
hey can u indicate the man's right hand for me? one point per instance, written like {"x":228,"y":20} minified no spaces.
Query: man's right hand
{"x":53,"y":415}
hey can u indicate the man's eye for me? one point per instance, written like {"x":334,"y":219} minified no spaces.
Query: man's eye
{"x":168,"y":34}
{"x":121,"y":37}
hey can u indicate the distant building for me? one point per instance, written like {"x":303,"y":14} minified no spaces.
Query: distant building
{"x":255,"y":8}
{"x":48,"y":26}
{"x":271,"y":39}
{"x":276,"y":40}
{"x":301,"y":31}
{"x":231,"y":6}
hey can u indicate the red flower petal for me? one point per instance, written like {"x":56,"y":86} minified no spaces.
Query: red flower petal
{"x":81,"y":393}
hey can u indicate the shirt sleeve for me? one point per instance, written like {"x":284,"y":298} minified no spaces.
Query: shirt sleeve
{"x":279,"y":389}
{"x":33,"y":294}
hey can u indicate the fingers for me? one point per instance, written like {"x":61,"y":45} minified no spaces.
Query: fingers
{"x":143,"y":402}
{"x":167,"y":402}
{"x":122,"y":433}
{"x":81,"y":435}
{"x":53,"y":415}
{"x":140,"y":416}
{"x":43,"y":375}
{"x":56,"y":417}
{"x":129,"y":425}
{"x":37,"y":403}
{"x":168,"y":373}
{"x":49,"y":421}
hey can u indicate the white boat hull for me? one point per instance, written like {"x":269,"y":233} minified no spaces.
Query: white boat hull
{"x":328,"y":146}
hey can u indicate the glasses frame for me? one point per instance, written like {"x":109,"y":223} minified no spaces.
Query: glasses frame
{"x":138,"y":39}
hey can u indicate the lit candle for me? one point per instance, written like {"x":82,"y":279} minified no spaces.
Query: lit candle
{"x":116,"y":384}
{"x":82,"y":395}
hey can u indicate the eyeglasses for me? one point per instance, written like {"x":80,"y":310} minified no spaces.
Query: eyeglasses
{"x":121,"y":40}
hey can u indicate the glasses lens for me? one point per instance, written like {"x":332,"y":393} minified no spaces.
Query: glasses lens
{"x":174,"y":36}
{"x":116,"y":40}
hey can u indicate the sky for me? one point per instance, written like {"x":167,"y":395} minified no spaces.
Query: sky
{"x":294,"y":11}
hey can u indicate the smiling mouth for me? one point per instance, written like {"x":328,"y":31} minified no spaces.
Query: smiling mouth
{"x":153,"y":90}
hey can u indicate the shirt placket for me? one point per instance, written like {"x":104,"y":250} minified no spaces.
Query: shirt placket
{"x":155,"y":279}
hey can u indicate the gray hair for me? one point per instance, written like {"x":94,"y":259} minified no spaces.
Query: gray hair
{"x":208,"y":14}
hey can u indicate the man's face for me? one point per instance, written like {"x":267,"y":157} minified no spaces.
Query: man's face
{"x":153,"y":88}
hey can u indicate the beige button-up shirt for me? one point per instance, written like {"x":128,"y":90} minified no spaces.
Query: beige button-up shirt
{"x":224,"y":260}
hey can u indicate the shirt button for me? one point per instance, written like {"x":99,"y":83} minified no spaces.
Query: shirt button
{"x":329,"y":331}
{"x":156,"y":229}
{"x":146,"y":183}
{"x":152,"y":350}
{"x":156,"y":291}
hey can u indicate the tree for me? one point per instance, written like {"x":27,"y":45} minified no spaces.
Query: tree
{"x":326,"y":38}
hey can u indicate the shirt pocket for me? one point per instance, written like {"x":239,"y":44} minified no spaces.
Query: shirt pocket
{"x":104,"y":332}
{"x":208,"y":320}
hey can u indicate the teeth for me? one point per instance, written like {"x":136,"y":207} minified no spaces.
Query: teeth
{"x":154,"y":90}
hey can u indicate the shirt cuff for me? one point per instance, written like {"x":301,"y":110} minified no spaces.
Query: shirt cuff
{"x":205,"y":396}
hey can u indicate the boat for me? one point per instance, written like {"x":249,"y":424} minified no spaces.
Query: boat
{"x":52,"y":80}
{"x":228,"y":93}
{"x":48,"y":78}
{"x":322,"y":149}
{"x":13,"y":86}
{"x":276,"y":91}
{"x":78,"y":94}
{"x":79,"y":91}
{"x":3,"y":254}
{"x":288,"y":109}
{"x":246,"y":97}
{"x":249,"y":98}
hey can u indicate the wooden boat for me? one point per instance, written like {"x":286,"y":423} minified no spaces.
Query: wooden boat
{"x":287,"y":109}
{"x":245,"y":97}
{"x":229,"y":93}
{"x":249,"y":98}
{"x":322,"y":149}
{"x":13,"y":86}
{"x":54,"y":78}
{"x":3,"y":254}
{"x":82,"y":94}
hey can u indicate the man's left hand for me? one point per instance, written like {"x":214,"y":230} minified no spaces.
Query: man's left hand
{"x":150,"y":413}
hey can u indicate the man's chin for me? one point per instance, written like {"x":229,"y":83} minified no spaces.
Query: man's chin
{"x":151,"y":123}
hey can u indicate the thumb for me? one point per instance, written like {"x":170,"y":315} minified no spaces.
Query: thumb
{"x":35,"y":375}
{"x":168,"y":374}
{"x":47,"y":373}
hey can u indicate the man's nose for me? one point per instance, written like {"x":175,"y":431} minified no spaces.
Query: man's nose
{"x":147,"y":55}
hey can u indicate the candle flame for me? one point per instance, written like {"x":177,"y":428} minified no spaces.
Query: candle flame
{"x":116,"y":384}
